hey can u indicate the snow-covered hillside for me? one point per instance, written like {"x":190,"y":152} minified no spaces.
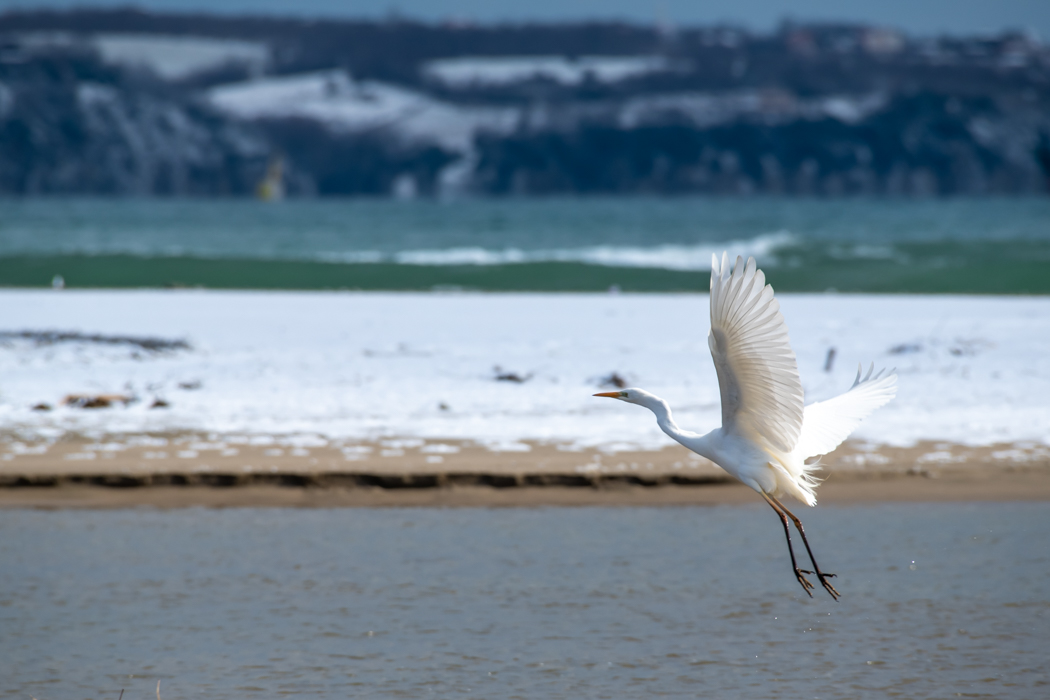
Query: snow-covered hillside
{"x":335,"y":99}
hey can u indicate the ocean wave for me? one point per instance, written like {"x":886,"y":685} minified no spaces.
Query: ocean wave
{"x":668,"y":256}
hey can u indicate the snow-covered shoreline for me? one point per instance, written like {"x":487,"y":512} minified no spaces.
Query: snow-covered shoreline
{"x":364,"y":365}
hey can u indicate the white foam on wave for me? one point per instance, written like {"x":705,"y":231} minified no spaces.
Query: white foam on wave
{"x":689,"y":258}
{"x":666,"y":257}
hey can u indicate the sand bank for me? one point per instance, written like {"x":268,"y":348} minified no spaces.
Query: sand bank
{"x":184,"y":469}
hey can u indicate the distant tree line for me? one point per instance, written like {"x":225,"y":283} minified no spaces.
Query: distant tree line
{"x":959,"y":115}
{"x":805,"y":59}
{"x":918,"y":144}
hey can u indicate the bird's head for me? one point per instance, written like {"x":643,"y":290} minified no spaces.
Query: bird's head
{"x":637,"y":396}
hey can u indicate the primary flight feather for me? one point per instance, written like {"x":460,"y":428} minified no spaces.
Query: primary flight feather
{"x":767,"y":432}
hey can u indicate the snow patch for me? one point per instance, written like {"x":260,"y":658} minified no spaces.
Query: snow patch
{"x":488,"y":71}
{"x":335,"y":99}
{"x":178,"y":57}
{"x":301,"y":363}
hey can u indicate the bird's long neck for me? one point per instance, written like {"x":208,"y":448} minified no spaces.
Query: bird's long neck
{"x":694,"y":441}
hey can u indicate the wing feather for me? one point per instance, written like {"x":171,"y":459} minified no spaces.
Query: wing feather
{"x":757,"y":371}
{"x":826,"y":424}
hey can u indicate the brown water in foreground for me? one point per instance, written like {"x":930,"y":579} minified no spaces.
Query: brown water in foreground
{"x":939,"y":600}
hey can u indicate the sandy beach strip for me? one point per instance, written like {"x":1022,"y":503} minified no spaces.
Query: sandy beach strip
{"x":186,"y":469}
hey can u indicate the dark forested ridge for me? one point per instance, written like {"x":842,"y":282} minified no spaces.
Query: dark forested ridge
{"x":409,"y":108}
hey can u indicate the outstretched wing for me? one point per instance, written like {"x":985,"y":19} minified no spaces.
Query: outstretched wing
{"x":757,"y":372}
{"x":826,"y":424}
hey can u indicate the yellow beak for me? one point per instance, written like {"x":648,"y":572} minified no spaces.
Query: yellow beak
{"x":610,"y":394}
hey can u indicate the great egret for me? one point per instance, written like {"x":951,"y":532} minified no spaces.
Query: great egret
{"x":767,"y":435}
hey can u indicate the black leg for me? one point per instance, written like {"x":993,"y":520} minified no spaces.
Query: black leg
{"x":821,"y":576}
{"x":806,"y":585}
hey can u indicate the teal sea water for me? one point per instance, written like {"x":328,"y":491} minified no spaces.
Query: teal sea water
{"x":587,"y":244}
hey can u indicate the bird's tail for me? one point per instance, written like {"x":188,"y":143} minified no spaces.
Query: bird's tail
{"x":796,"y":478}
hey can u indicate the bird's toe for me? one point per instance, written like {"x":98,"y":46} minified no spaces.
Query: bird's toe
{"x":828,"y":587}
{"x":807,"y":585}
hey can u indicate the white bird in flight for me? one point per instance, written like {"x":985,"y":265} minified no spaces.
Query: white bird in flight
{"x":768,"y":439}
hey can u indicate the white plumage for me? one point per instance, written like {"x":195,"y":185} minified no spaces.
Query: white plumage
{"x":757,"y":372}
{"x":767,"y":433}
{"x":826,"y":424}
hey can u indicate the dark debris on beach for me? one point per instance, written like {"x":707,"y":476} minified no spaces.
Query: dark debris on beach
{"x":614,"y":379}
{"x":53,"y":337}
{"x":502,"y":375}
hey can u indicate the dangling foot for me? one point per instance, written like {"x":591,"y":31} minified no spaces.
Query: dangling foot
{"x":806,"y":585}
{"x":827,"y":585}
